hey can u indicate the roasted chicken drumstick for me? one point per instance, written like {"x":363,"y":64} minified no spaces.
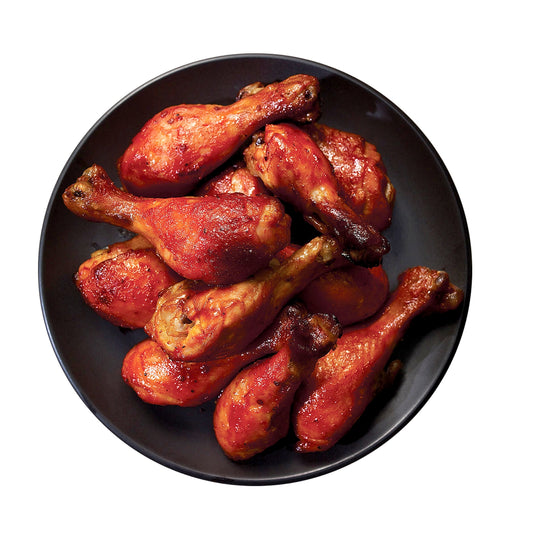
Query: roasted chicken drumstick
{"x":195,"y":322}
{"x":253,"y":411}
{"x":360,"y":173}
{"x":182,"y":144}
{"x":293,"y":168}
{"x":218,"y":240}
{"x":343,"y":382}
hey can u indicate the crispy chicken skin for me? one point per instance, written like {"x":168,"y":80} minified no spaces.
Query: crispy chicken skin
{"x":195,"y":322}
{"x":293,"y":168}
{"x":360,"y":173}
{"x":123,"y":281}
{"x":344,"y":381}
{"x":218,"y":240}
{"x":352,"y":293}
{"x":157,"y":379}
{"x":253,"y":412}
{"x":182,"y":144}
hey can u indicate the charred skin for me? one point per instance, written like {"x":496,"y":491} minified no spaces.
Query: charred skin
{"x":196,"y":322}
{"x":123,"y":282}
{"x":158,"y":379}
{"x":182,"y":144}
{"x":344,"y":381}
{"x":293,"y":168}
{"x":217,"y":240}
{"x":253,"y":411}
{"x":360,"y":172}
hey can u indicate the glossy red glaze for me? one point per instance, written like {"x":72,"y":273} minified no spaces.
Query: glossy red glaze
{"x":360,"y":172}
{"x":352,"y":293}
{"x":218,"y":240}
{"x":343,"y":382}
{"x":183,"y":144}
{"x":236,"y":178}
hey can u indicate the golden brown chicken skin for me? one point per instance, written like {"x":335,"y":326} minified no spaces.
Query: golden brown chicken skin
{"x":360,"y":173}
{"x":218,"y":240}
{"x":293,"y":168}
{"x":195,"y":322}
{"x":253,"y":411}
{"x":182,"y":144}
{"x":123,"y":281}
{"x":343,"y":382}
{"x":158,"y":379}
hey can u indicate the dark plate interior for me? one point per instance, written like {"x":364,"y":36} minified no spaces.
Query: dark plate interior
{"x":429,"y":228}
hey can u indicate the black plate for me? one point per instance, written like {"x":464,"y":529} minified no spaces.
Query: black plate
{"x":429,"y":228}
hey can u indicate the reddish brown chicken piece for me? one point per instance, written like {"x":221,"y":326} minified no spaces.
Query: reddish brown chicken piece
{"x":195,"y":322}
{"x":218,"y":240}
{"x":157,"y":379}
{"x":123,"y":281}
{"x":352,"y":293}
{"x":360,"y":172}
{"x":293,"y":168}
{"x":182,"y":144}
{"x":253,"y":411}
{"x":236,"y":178}
{"x":344,"y":381}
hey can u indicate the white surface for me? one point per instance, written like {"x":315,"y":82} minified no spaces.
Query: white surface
{"x":460,"y":72}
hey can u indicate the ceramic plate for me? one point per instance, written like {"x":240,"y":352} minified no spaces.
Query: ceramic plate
{"x":428,"y":228}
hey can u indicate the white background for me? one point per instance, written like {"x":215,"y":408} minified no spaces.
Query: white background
{"x":461,"y":72}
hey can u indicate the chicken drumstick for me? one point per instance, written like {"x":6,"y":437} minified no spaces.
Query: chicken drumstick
{"x":344,"y":381}
{"x":182,"y":144}
{"x":360,"y":173}
{"x":253,"y":411}
{"x":218,"y":240}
